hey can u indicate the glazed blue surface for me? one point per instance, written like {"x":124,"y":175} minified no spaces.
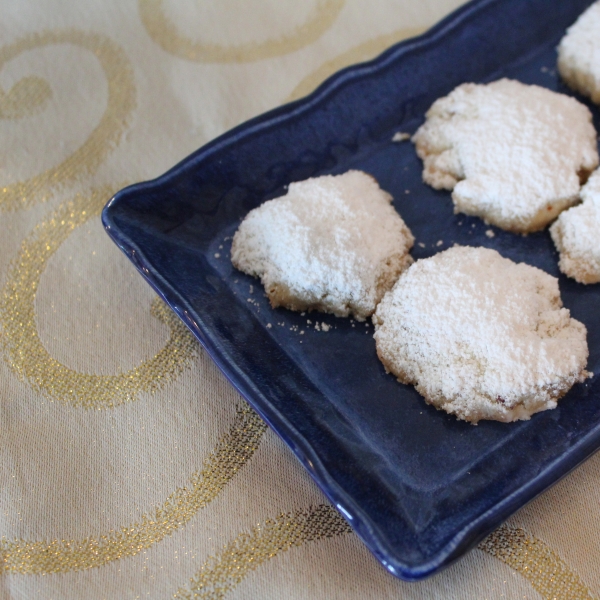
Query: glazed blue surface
{"x":418,"y":486}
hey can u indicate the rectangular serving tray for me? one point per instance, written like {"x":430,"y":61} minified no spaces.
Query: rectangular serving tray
{"x":418,"y":486}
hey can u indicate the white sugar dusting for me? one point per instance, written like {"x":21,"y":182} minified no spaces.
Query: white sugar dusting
{"x":332,"y":243}
{"x":579,"y":54}
{"x":512,"y":153}
{"x":576,"y":235}
{"x":480,"y":336}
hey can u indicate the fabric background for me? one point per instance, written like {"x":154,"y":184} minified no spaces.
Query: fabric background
{"x":129,"y":467}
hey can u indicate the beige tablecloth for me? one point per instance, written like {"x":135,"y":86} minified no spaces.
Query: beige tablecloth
{"x":129,"y":467}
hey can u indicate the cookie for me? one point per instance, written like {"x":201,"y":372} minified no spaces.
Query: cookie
{"x":511,"y":153}
{"x":576,"y":235}
{"x":333,"y":244}
{"x":579,"y":54}
{"x":480,"y":336}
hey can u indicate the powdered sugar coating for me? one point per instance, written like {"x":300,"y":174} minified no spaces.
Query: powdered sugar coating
{"x":512,"y":153}
{"x":480,"y":336}
{"x":576,"y":235}
{"x":579,"y":54}
{"x":332,"y":243}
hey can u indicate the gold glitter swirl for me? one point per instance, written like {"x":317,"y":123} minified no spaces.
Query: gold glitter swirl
{"x":105,"y":136}
{"x":361,"y":53}
{"x":27,"y":97}
{"x":232,"y":452}
{"x":20,"y":341}
{"x":227,"y":569}
{"x":166,"y":35}
{"x":220,"y":574}
{"x":548,"y":574}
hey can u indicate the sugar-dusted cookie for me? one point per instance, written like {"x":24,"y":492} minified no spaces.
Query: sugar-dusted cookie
{"x":513,"y":154}
{"x":332,"y":243}
{"x":480,"y":336}
{"x":576,"y":235}
{"x":579,"y":54}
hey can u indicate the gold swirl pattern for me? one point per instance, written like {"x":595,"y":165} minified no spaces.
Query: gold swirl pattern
{"x":549,"y":575}
{"x":542,"y":567}
{"x":166,"y":35}
{"x":27,"y":356}
{"x":27,"y":97}
{"x":361,"y":53}
{"x":29,"y":92}
{"x":224,"y":571}
{"x":232,"y":452}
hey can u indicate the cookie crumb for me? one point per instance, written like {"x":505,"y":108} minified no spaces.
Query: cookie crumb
{"x":401,"y":136}
{"x":490,"y":233}
{"x":325,"y":327}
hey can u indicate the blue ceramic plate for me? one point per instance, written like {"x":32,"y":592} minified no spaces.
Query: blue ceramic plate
{"x":418,"y":486}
